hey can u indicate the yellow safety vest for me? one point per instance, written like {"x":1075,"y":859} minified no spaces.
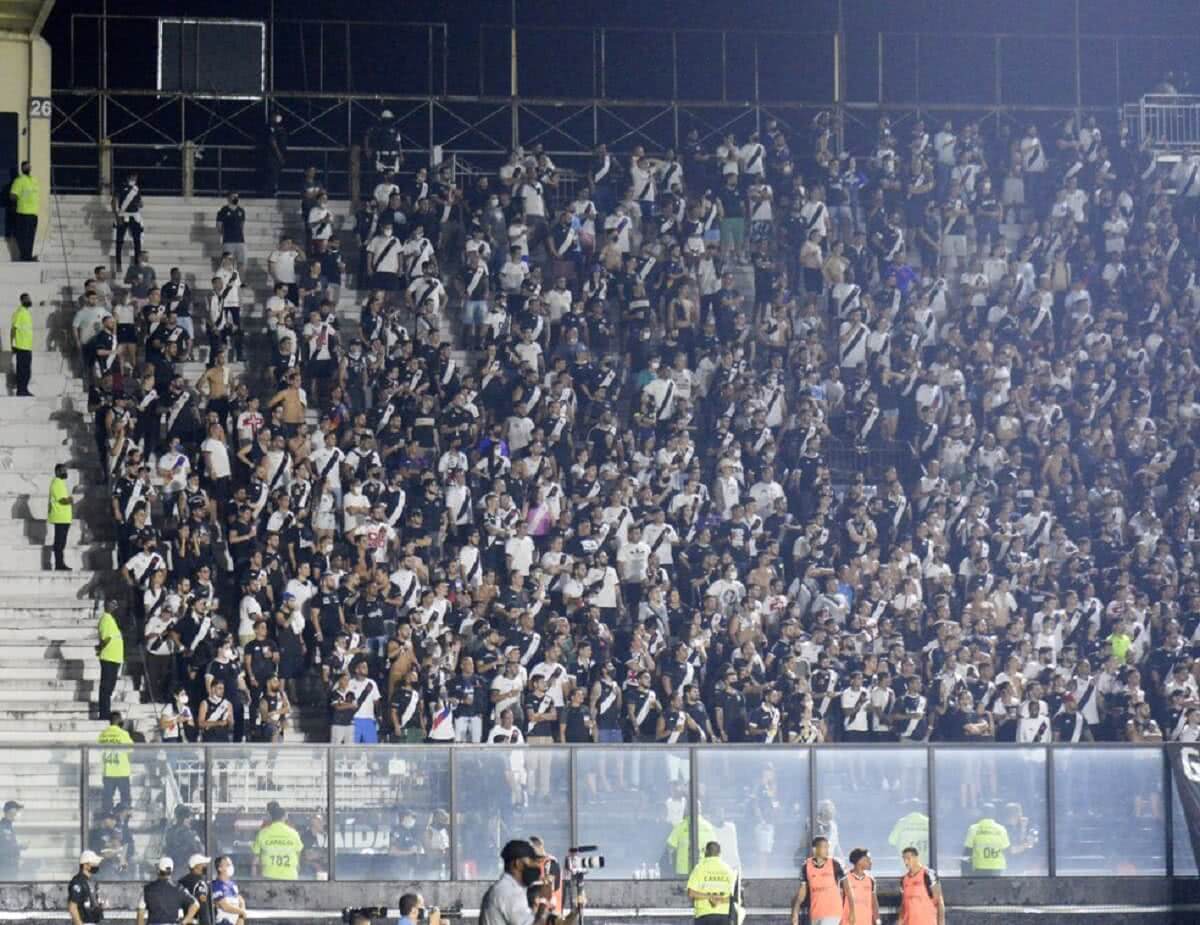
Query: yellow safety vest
{"x":25,"y":190}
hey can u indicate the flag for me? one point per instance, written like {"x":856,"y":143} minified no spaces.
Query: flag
{"x":1185,"y":769}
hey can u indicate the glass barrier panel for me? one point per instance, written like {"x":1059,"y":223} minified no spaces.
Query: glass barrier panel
{"x":642,"y":790}
{"x":756,"y":804}
{"x":392,"y":817}
{"x":872,"y":798}
{"x":144,"y":803}
{"x":46,"y":782}
{"x":270,"y":809}
{"x":1101,"y":791}
{"x":990,"y":809}
{"x":1183,"y":858}
{"x":507,"y":792}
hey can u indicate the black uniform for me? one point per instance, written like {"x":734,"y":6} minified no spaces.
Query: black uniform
{"x":197,"y":887}
{"x":83,"y":892}
{"x":164,"y":900}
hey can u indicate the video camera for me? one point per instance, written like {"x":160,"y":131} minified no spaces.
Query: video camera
{"x":581,"y":860}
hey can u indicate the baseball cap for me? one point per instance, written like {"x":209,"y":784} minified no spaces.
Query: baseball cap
{"x":13,"y":804}
{"x":198,"y":859}
{"x":90,"y":857}
{"x":165,"y":865}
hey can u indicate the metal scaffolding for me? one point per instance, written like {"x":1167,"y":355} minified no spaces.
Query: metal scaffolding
{"x":618,"y":86}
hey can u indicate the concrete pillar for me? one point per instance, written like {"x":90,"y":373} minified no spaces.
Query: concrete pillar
{"x":106,"y":167}
{"x":189,"y":169}
{"x":355,"y":172}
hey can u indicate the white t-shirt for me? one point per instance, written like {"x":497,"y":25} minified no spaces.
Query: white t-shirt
{"x":218,"y":458}
{"x":283,"y":266}
{"x":510,"y":690}
{"x":522,"y":550}
{"x":248,"y":614}
{"x":366,"y":709}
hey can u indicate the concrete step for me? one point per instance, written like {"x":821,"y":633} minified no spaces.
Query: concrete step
{"x":33,"y":458}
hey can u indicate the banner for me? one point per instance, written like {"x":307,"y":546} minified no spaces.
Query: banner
{"x":1185,"y":772}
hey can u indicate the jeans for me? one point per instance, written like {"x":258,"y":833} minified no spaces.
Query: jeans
{"x":468,"y":729}
{"x":113,"y":786}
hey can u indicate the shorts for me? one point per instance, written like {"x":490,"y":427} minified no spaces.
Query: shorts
{"x":606,"y":736}
{"x":474,"y":311}
{"x":365,"y":732}
{"x":127,"y":334}
{"x":733,"y":231}
{"x":321,"y":369}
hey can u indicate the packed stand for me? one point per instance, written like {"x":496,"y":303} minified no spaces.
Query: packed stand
{"x":609,"y":512}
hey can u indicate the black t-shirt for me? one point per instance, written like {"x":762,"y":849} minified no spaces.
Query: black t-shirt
{"x":470,"y":694}
{"x":731,"y":202}
{"x":233,"y":224}
{"x":197,"y":886}
{"x":82,"y":891}
{"x":262,"y":658}
{"x":164,"y":901}
{"x":579,"y":724}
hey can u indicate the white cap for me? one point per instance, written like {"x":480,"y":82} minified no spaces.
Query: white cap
{"x":198,"y":859}
{"x":386,"y":114}
{"x":165,"y":865}
{"x":90,"y":857}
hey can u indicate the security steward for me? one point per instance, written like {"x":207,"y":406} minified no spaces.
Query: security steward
{"x":985,"y":848}
{"x":195,"y":881}
{"x":162,"y":900}
{"x":20,"y":340}
{"x":83,"y":893}
{"x":710,"y":888}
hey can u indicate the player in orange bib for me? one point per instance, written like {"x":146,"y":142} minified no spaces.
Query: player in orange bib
{"x":821,"y":879}
{"x":921,"y":900}
{"x":861,"y":906}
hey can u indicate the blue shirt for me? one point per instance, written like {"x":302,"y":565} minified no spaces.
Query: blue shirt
{"x":223,"y":889}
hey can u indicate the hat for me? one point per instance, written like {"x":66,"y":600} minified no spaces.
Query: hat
{"x":196,"y":859}
{"x":13,"y":804}
{"x":165,"y":865}
{"x":90,"y":857}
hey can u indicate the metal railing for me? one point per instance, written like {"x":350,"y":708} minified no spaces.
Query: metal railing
{"x":1170,"y":121}
{"x":428,"y":812}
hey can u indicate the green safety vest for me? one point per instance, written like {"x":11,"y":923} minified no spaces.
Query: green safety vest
{"x":987,"y":840}
{"x":711,"y":875}
{"x":911,"y":831}
{"x":25,"y":190}
{"x":58,"y":512}
{"x":680,"y":842}
{"x":115,"y":761}
{"x":22,"y":329}
{"x":111,"y":641}
{"x":277,"y":847}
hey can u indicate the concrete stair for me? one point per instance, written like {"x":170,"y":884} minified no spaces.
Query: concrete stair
{"x":56,"y":425}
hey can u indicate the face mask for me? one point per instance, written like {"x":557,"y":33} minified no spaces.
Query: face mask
{"x":229,"y":873}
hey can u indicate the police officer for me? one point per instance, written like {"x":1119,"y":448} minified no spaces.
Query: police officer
{"x":180,"y":841}
{"x":195,"y":881}
{"x":83,"y":893}
{"x":163,"y":900}
{"x":382,"y":145}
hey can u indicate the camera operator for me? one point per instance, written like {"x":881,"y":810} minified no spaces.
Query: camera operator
{"x":412,"y":911}
{"x":506,"y":901}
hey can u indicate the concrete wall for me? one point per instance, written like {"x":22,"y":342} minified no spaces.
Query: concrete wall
{"x":20,"y":78}
{"x":1138,"y":899}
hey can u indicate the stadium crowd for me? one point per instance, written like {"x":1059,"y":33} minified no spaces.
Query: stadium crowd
{"x":571,"y":478}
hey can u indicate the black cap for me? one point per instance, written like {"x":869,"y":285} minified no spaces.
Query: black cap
{"x":13,"y":804}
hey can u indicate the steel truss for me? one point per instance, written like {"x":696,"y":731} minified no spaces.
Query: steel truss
{"x":152,"y":130}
